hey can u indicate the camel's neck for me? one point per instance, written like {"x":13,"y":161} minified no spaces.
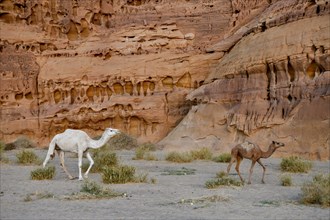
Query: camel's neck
{"x":269,"y":152}
{"x":100,"y":142}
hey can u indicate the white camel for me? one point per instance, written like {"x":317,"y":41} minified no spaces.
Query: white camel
{"x":79,"y":142}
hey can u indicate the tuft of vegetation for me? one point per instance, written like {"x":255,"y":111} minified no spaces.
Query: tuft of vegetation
{"x":222,"y":158}
{"x":28,"y":157}
{"x":143,"y":152}
{"x":38,"y":195}
{"x":101,"y":159}
{"x":204,"y":200}
{"x":180,"y":172}
{"x":186,"y":157}
{"x":222,"y":179}
{"x":295,"y":164}
{"x":202,"y":154}
{"x":21,"y":142}
{"x":92,"y":190}
{"x":286,"y":180}
{"x":122,"y":141}
{"x":118,"y":174}
{"x":3,"y":159}
{"x":179,"y":157}
{"x":317,"y":191}
{"x":46,"y":173}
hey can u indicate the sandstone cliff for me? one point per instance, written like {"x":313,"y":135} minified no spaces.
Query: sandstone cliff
{"x":272,"y":84}
{"x":256,"y":70}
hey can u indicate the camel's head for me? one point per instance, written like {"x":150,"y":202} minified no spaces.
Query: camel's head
{"x":277,"y":144}
{"x":112,"y":131}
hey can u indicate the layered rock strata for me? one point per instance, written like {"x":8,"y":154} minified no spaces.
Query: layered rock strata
{"x":253,"y":70}
{"x":95,"y":64}
{"x":273,"y":84}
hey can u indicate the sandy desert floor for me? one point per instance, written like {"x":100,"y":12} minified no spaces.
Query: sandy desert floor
{"x":171,"y":197}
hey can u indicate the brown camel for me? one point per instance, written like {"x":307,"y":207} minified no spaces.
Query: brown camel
{"x":253,"y":152}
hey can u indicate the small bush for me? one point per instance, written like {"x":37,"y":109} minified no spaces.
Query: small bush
{"x":92,"y":190}
{"x":105,"y":160}
{"x":118,"y":174}
{"x":222,"y":179}
{"x":202,"y":154}
{"x":222,"y":158}
{"x":317,"y":191}
{"x":122,"y":141}
{"x":225,"y":181}
{"x":221,"y":174}
{"x":295,"y":164}
{"x":101,"y":160}
{"x":286,"y":180}
{"x":143,"y":152}
{"x":2,"y":149}
{"x":179,"y":157}
{"x":183,"y":171}
{"x":38,"y":195}
{"x":27,"y":157}
{"x":46,"y":173}
{"x":21,"y":142}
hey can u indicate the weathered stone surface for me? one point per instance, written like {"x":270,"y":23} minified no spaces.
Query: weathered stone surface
{"x":256,"y":70}
{"x":94,"y":64}
{"x":273,"y":84}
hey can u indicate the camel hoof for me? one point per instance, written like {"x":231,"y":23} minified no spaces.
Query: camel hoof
{"x":249,"y":182}
{"x":72,"y":178}
{"x":86,"y":176}
{"x":263,"y":182}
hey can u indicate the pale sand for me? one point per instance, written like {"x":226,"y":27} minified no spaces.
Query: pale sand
{"x":172,"y":197}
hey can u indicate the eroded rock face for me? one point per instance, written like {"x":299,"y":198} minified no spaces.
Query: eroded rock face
{"x":254,"y":70}
{"x":95,"y":64}
{"x":274,"y":84}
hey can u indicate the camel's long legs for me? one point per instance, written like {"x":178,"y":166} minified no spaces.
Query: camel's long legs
{"x":251,"y":170}
{"x":264,"y":168}
{"x":61,"y":154}
{"x":91,"y":162}
{"x":80,"y":155}
{"x":232,"y":160}
{"x":239,"y":160}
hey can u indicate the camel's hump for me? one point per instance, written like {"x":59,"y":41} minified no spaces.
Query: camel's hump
{"x":247,"y":145}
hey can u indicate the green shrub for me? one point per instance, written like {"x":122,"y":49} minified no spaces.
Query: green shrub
{"x":46,"y":173}
{"x":122,"y":141}
{"x":221,"y":174}
{"x":317,"y":191}
{"x":179,"y":157}
{"x":118,"y":174}
{"x":223,"y":181}
{"x":2,"y":149}
{"x":295,"y":164}
{"x":28,"y":157}
{"x":101,"y":160}
{"x":21,"y":142}
{"x":91,"y":187}
{"x":222,"y":158}
{"x":38,"y":195}
{"x":92,"y":190}
{"x":202,"y":154}
{"x":143,"y":152}
{"x":286,"y":180}
{"x":179,"y":172}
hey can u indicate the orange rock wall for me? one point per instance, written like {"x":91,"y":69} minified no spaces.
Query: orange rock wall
{"x":187,"y":73}
{"x":272,"y":84}
{"x":96,"y":64}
